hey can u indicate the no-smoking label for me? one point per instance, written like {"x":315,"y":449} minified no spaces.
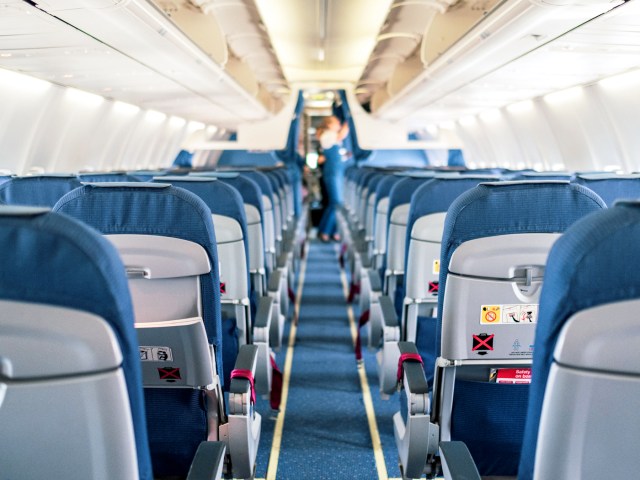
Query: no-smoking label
{"x":490,"y":314}
{"x":512,"y":314}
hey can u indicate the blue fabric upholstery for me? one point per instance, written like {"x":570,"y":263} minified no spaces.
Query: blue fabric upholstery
{"x":595,"y":262}
{"x":401,"y":193}
{"x":145,"y":175}
{"x":263,"y":182}
{"x":375,"y":180}
{"x":247,"y":188}
{"x":612,"y":187}
{"x":492,"y":209}
{"x":53,"y":259}
{"x":42,"y":191}
{"x":408,"y":158}
{"x":164,"y":210}
{"x":403,"y":190}
{"x":106,"y":177}
{"x":488,"y":418}
{"x":222,"y":199}
{"x":488,"y":210}
{"x":169,"y":211}
{"x":425,"y":339}
{"x":173,"y":443}
{"x":384,"y":187}
{"x":544,"y":176}
{"x":245,"y":158}
{"x":436,"y":196}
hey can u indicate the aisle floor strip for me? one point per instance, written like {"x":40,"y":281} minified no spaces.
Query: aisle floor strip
{"x":366,"y":391}
{"x":286,"y":376}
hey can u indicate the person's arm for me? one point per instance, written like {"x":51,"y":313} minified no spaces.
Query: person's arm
{"x":343,"y":132}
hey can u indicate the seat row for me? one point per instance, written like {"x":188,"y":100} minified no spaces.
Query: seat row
{"x":201,"y":268}
{"x":450,"y":292}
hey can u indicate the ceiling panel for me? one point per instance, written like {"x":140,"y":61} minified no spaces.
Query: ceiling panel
{"x":323,"y":40}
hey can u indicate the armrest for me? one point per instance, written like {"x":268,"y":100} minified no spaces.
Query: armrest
{"x":388,"y":312}
{"x":240,"y":389}
{"x":208,"y":462}
{"x":281,"y":262}
{"x":374,"y":281}
{"x":263,"y":314}
{"x":274,"y":281}
{"x":457,"y":463}
{"x":415,"y":381}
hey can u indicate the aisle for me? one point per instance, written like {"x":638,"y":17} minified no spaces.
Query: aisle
{"x":326,"y":434}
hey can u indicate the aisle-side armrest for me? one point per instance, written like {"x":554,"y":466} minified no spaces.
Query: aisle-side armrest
{"x":388,"y":357}
{"x":374,"y":280}
{"x":414,"y":381}
{"x":389,"y":315}
{"x":457,"y":463}
{"x":263,"y":319}
{"x":208,"y":462}
{"x":274,"y":281}
{"x":240,"y":389}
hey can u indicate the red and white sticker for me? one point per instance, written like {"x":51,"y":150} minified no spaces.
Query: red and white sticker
{"x":513,"y":375}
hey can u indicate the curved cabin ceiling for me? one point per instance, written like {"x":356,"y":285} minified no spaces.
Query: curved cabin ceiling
{"x":236,"y":62}
{"x":323,"y":42}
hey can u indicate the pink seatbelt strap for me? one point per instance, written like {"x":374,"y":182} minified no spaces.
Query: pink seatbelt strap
{"x":247,"y":375}
{"x":407,"y":357}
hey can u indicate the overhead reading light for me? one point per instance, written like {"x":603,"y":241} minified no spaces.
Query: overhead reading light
{"x":193,"y":126}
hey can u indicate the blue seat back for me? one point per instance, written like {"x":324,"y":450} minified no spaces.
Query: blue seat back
{"x":611,"y":187}
{"x":154,"y":209}
{"x":490,"y":210}
{"x":435,"y":196}
{"x":51,"y":259}
{"x":222,"y":199}
{"x":163,"y":210}
{"x":594,"y":263}
{"x":106,"y":177}
{"x":41,"y":190}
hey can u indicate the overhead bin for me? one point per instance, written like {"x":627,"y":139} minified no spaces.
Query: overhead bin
{"x":508,"y":32}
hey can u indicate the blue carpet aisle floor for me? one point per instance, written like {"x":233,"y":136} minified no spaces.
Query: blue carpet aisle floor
{"x":326,"y":433}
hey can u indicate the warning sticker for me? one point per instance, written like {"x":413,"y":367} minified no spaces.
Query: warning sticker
{"x":513,"y":375}
{"x":491,"y":314}
{"x":482,"y":343}
{"x":171,"y":374}
{"x":433,"y":287}
{"x":155,"y":354}
{"x":520,"y":314}
{"x":436,"y":267}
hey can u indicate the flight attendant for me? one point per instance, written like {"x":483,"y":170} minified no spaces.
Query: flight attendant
{"x":331,"y":135}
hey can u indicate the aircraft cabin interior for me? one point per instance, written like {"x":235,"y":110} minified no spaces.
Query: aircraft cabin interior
{"x":319,"y":239}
